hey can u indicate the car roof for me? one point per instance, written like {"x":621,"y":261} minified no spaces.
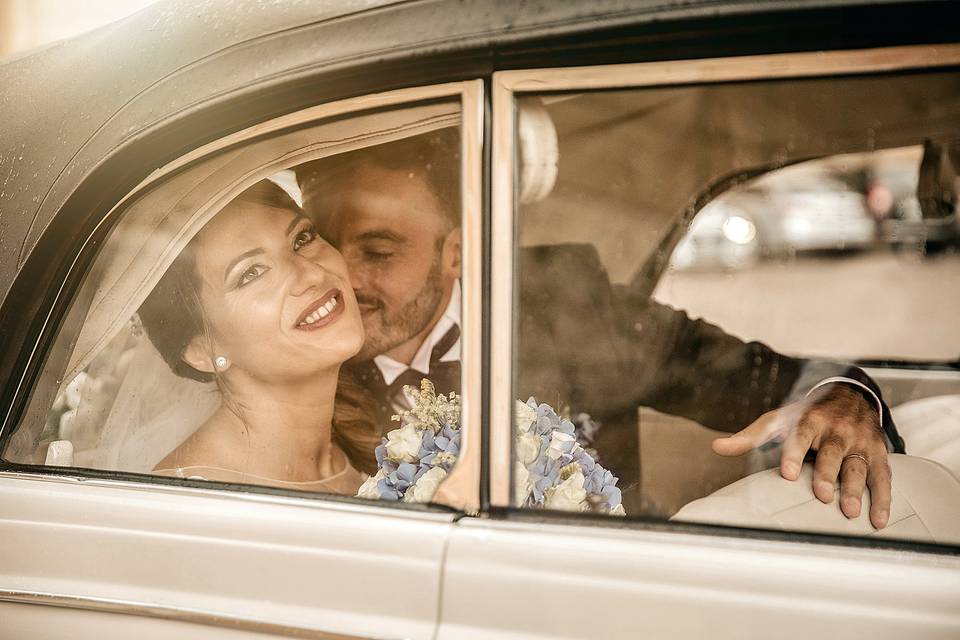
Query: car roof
{"x":68,"y":106}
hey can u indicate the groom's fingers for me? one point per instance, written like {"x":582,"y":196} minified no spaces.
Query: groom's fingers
{"x":760,"y":431}
{"x":879,"y":480}
{"x":795,"y":447}
{"x":733,"y":445}
{"x":853,"y":482}
{"x":826,"y":469}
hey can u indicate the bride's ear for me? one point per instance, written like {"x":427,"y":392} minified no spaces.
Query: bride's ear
{"x":199,"y":355}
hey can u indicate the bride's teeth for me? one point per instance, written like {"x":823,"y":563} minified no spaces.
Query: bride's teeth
{"x":322,"y":312}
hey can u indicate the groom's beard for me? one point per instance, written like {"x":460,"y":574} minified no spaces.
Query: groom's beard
{"x":388,"y":327}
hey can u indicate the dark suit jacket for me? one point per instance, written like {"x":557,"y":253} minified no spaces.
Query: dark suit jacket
{"x":606,"y":350}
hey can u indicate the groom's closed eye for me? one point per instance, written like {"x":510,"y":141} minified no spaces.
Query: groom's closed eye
{"x":378,"y":246}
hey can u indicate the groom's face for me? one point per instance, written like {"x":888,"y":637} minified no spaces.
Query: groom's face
{"x":391,"y":230}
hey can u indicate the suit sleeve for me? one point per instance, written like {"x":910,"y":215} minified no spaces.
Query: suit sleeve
{"x":608,"y":351}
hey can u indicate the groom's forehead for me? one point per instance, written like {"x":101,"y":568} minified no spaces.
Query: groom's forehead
{"x":371,"y":196}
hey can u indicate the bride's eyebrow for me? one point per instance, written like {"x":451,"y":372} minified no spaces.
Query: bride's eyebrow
{"x":243,"y":256}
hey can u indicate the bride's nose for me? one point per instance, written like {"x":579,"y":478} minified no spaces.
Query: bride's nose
{"x":306,"y":274}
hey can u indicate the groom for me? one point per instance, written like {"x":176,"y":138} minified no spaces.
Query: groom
{"x":393,"y":210}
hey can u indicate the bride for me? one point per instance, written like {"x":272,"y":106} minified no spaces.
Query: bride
{"x":261,"y":304}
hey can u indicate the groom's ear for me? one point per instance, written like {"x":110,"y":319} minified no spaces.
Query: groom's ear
{"x":199,"y":355}
{"x":451,"y":253}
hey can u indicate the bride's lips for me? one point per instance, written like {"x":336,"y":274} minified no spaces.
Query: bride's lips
{"x":321,"y":312}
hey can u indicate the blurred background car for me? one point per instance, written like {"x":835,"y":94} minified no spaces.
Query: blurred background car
{"x":833,"y":205}
{"x":797,"y":209}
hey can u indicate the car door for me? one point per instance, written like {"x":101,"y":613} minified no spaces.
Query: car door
{"x":617,"y":161}
{"x":96,"y":544}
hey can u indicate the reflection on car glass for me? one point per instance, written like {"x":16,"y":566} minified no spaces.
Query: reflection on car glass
{"x":668,"y":319}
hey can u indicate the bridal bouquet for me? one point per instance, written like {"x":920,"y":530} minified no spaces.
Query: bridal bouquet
{"x":552,"y":468}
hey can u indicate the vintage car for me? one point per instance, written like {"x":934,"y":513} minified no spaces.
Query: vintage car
{"x":599,"y":129}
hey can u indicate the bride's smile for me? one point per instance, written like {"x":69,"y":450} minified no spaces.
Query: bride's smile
{"x":322,"y":312}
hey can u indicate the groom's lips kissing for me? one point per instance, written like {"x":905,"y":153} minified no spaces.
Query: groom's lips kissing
{"x":321,"y":312}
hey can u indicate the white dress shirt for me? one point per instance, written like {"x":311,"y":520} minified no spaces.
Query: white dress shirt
{"x":391,"y":369}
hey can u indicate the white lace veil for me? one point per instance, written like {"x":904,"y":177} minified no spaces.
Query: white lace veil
{"x":120,"y":407}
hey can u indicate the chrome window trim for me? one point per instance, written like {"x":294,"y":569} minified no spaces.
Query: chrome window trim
{"x":461,"y":489}
{"x":165,"y":612}
{"x":505,"y":86}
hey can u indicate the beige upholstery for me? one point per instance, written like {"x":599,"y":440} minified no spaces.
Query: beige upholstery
{"x":931,"y":429}
{"x":925,"y":504}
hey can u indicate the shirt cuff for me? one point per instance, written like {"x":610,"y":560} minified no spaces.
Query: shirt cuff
{"x":867,"y":389}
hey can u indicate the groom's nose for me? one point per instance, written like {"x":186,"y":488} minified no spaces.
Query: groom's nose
{"x":359,"y":273}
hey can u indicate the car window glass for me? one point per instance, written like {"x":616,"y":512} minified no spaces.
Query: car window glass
{"x":251,"y":318}
{"x":691,"y":259}
{"x":838,"y":239}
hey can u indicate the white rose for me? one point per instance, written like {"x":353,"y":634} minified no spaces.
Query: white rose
{"x":569,"y":495}
{"x":424,"y":488}
{"x":528,"y":447}
{"x":369,"y":489}
{"x":522,"y":484}
{"x":560,"y":443}
{"x":524,"y":416}
{"x":403,"y":444}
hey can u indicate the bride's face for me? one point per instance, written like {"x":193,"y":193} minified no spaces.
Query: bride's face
{"x":276,"y":295}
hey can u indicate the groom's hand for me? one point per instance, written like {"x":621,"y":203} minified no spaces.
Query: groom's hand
{"x":843,"y":428}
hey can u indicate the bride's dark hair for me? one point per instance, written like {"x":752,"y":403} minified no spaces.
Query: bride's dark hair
{"x":354,"y":424}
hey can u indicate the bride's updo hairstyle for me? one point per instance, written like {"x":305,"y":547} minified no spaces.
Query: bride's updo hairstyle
{"x":172,"y":316}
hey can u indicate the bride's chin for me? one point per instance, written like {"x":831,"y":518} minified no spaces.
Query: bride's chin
{"x":355,"y":348}
{"x":357,"y":334}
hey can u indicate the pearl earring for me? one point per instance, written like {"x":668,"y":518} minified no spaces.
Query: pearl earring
{"x":220,"y":362}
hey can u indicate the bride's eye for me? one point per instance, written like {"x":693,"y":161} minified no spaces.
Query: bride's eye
{"x":304,"y":237}
{"x":251,"y":274}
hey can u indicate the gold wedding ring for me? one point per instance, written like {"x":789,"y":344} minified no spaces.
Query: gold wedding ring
{"x":857,"y":455}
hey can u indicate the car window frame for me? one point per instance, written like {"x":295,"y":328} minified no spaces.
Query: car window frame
{"x":507,"y":88}
{"x":462,"y":487}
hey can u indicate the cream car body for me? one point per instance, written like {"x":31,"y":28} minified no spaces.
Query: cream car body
{"x":120,"y":554}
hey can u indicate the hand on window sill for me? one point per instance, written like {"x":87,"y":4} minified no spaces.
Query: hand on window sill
{"x":843,"y":428}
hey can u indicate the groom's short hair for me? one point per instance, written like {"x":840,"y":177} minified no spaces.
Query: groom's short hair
{"x":434,"y":156}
